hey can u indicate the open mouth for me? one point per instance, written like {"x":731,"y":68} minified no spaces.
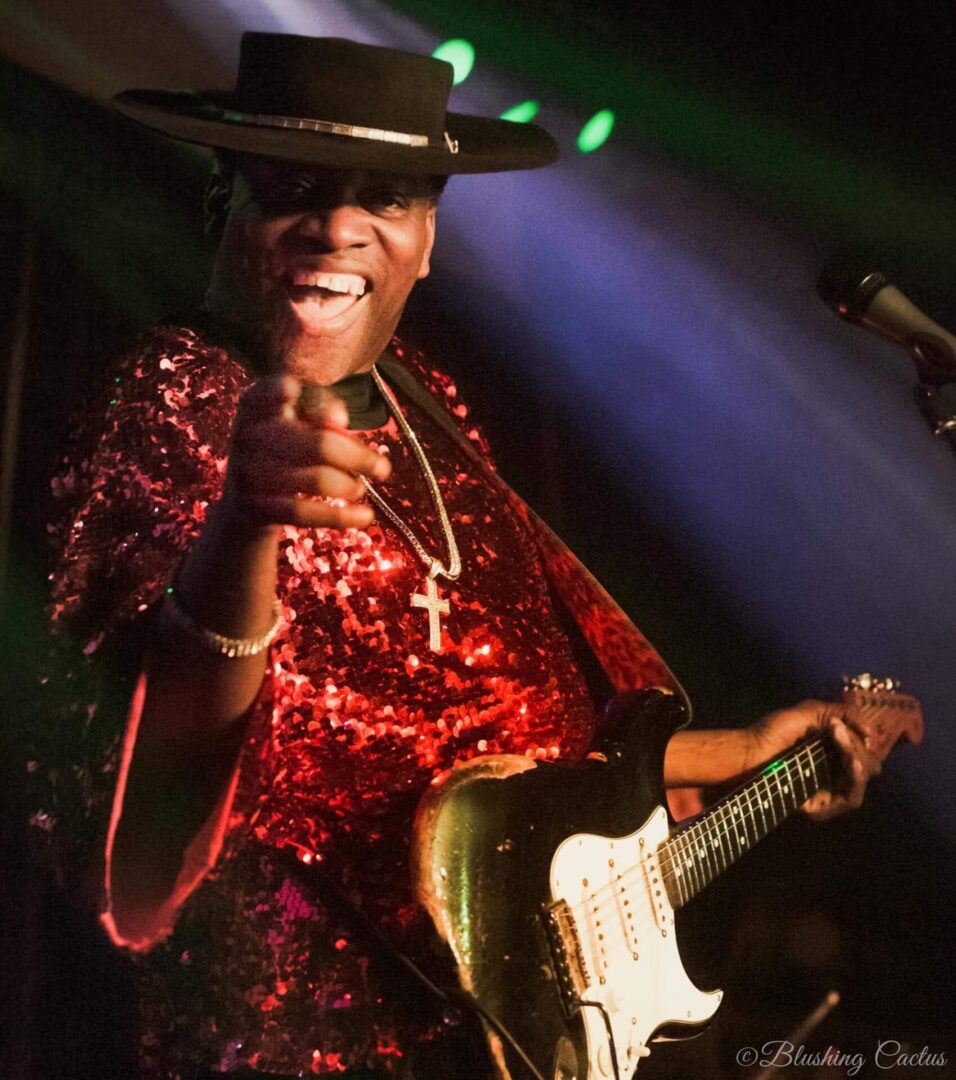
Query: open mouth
{"x":319,"y":298}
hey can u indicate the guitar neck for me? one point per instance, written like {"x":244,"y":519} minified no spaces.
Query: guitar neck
{"x":694,"y":855}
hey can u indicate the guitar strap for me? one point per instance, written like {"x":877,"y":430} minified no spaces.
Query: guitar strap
{"x":629,"y":660}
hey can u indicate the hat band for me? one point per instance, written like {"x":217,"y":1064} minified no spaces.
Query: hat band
{"x":330,"y":127}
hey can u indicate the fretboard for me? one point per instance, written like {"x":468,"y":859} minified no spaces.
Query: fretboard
{"x":694,"y":855}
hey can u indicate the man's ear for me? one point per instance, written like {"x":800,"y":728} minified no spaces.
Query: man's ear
{"x":216,"y":205}
{"x":430,"y":220}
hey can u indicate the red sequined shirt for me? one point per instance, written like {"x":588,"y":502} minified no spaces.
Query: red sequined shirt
{"x":356,"y":717}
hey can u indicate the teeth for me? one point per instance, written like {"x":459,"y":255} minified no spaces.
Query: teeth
{"x":340,"y":283}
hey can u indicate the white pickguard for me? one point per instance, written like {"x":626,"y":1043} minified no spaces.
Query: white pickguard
{"x":625,"y":925}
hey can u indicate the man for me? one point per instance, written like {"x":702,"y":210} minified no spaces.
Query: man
{"x":341,"y":601}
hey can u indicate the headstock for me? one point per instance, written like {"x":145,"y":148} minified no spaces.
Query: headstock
{"x":885,"y":714}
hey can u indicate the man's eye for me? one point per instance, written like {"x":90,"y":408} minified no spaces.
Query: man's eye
{"x":281,"y":194}
{"x":384,"y":199}
{"x":287,"y":190}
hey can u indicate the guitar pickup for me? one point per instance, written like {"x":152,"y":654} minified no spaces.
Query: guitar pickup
{"x":657,"y":894}
{"x":567,"y":957}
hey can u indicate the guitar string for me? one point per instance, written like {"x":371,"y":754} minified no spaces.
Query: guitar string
{"x":718,"y":820}
{"x":646,"y":920}
{"x":749,"y":801}
{"x":715,"y":823}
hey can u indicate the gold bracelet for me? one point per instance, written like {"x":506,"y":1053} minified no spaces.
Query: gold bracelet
{"x":172,"y":617}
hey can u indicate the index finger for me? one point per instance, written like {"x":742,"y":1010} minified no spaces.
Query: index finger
{"x":319,"y":405}
{"x":300,"y":444}
{"x":270,"y":396}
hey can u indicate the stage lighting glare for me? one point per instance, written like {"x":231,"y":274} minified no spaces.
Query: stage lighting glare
{"x":522,"y":113}
{"x":596,"y":131}
{"x":460,"y":54}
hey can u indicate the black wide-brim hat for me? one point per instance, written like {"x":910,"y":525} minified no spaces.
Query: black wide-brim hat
{"x":328,"y":101}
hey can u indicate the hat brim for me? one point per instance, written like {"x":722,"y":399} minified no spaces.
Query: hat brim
{"x":484,"y":145}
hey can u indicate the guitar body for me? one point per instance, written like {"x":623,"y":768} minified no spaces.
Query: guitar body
{"x":543,"y":879}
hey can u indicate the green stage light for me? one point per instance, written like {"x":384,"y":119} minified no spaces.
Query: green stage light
{"x":460,"y":54}
{"x":521,"y":114}
{"x":596,"y":131}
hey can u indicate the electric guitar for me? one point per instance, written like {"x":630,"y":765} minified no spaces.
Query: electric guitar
{"x":555,"y":886}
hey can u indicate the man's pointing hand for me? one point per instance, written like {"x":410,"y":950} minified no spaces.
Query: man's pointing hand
{"x":292,"y":460}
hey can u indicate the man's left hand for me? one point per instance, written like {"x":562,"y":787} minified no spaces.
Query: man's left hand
{"x":778,"y":731}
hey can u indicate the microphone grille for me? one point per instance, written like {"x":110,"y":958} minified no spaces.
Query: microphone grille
{"x":849,"y":289}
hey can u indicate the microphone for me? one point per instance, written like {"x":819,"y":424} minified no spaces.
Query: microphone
{"x":869,"y":300}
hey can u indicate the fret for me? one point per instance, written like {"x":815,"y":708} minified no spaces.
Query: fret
{"x":795,"y":776}
{"x":783,"y":790}
{"x":800,"y":790}
{"x":762,"y":804}
{"x":772,"y":780}
{"x":776,"y":797}
{"x":768,"y":801}
{"x":804,"y":762}
{"x":740,"y":825}
{"x":727,"y":847}
{"x":679,"y":878}
{"x":788,"y":774}
{"x":676,"y":851}
{"x":681,"y":872}
{"x":753,"y":805}
{"x":701,"y":851}
{"x":730,"y":834}
{"x":752,"y":815}
{"x":820,"y":765}
{"x":787,"y":780}
{"x":715,"y":843}
{"x":705,"y":834}
{"x":671,"y":881}
{"x":719,"y":838}
{"x":730,"y":838}
{"x":674,"y":847}
{"x":719,"y":817}
{"x":816,"y":778}
{"x":773,"y":777}
{"x":692,"y":848}
{"x":690,"y":862}
{"x":680,"y":869}
{"x":810,"y":770}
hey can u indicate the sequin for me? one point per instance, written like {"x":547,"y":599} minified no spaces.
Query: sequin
{"x":356,"y":718}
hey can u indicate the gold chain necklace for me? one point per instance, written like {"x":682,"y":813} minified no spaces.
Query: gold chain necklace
{"x":429,"y":600}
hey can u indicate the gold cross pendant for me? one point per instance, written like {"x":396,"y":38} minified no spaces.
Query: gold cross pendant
{"x":436,"y":608}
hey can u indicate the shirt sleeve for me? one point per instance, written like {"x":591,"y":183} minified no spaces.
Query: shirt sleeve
{"x":141,"y":497}
{"x":136,"y":503}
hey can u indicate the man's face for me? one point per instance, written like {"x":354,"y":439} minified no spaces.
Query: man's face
{"x":315,"y":265}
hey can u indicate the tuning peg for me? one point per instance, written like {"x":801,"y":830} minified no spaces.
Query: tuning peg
{"x":868,"y":682}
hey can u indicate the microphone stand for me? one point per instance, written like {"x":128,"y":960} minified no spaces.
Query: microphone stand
{"x":937,"y":412}
{"x":935,"y":368}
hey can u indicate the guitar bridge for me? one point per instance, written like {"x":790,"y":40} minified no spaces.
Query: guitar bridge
{"x":567,"y":955}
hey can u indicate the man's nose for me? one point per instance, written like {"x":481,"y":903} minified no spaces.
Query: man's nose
{"x":337,"y":227}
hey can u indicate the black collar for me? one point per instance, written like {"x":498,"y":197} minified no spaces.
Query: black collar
{"x":366,"y":406}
